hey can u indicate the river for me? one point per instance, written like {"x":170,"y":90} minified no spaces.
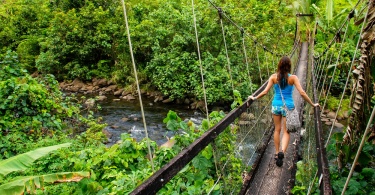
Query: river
{"x":124,"y":116}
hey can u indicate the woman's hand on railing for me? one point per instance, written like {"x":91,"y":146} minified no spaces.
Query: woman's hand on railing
{"x":252,"y":98}
{"x":317,"y":105}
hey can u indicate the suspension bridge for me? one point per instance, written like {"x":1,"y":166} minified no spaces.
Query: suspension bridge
{"x":254,"y":122}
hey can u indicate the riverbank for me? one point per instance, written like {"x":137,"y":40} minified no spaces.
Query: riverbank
{"x":105,"y":88}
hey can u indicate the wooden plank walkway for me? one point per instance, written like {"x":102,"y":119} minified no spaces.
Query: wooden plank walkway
{"x":268,"y":178}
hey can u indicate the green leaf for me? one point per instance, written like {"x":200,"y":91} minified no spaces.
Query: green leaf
{"x":354,"y":187}
{"x":205,"y":125}
{"x":29,"y":183}
{"x":329,"y":12}
{"x":172,"y":125}
{"x":184,"y":125}
{"x":368,"y":172}
{"x":23,"y":161}
{"x":201,"y":162}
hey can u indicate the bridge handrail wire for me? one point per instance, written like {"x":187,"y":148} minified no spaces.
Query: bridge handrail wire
{"x":347,"y":79}
{"x":242,"y":140}
{"x":335,"y":67}
{"x":222,"y":13}
{"x":323,"y":167}
{"x":350,"y":15}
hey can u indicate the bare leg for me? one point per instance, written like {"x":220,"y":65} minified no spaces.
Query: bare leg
{"x":276,"y":134}
{"x":286,"y":136}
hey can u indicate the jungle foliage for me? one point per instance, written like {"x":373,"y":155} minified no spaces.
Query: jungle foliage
{"x":68,"y":39}
{"x":87,"y":39}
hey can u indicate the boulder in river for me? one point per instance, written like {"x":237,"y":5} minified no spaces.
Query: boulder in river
{"x":90,"y":103}
{"x":331,"y":115}
{"x":118,"y":92}
{"x":102,"y":97}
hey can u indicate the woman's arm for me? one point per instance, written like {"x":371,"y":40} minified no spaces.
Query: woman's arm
{"x":265,"y":91}
{"x":298,"y":86}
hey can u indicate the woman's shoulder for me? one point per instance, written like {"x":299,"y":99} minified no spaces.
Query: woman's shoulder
{"x":293,"y":76}
{"x":273,"y":77}
{"x":292,"y":79}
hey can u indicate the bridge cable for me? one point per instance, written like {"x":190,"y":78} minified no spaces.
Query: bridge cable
{"x":260,"y":72}
{"x":325,"y":76}
{"x":266,"y":62}
{"x":256,"y":122}
{"x":319,"y":65}
{"x":200,"y":61}
{"x":202,"y":77}
{"x":339,"y":30}
{"x":225,"y":45}
{"x":308,"y":152}
{"x":239,"y":28}
{"x":309,"y":132}
{"x":359,"y":150}
{"x":138,"y":89}
{"x":347,"y":79}
{"x":337,"y":61}
{"x":247,"y":63}
{"x":334,"y":70}
{"x":322,"y":68}
{"x":243,"y":139}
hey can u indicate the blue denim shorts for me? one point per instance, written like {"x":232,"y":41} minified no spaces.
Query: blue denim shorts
{"x":278,"y":110}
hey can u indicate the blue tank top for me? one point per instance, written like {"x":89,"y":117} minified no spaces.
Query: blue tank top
{"x":287,"y":93}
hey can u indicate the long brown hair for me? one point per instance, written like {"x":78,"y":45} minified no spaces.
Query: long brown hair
{"x":283,"y":68}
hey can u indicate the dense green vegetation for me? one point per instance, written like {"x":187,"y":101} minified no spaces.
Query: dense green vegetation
{"x":69,"y":39}
{"x":88,"y":39}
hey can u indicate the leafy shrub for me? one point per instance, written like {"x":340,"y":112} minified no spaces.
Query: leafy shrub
{"x":33,"y":108}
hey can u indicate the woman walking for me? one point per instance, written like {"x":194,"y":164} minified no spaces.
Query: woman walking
{"x":283,"y":83}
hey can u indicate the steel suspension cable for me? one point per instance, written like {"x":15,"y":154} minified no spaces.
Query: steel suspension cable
{"x":202,"y":77}
{"x":243,"y":139}
{"x":247,"y":63}
{"x":260,"y":73}
{"x":200,"y":60}
{"x":237,"y":26}
{"x":138,"y":89}
{"x":351,"y":14}
{"x":319,"y":65}
{"x":325,"y":77}
{"x":226,"y":48}
{"x":347,"y":79}
{"x":266,"y":62}
{"x":337,"y":61}
{"x":320,"y":73}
